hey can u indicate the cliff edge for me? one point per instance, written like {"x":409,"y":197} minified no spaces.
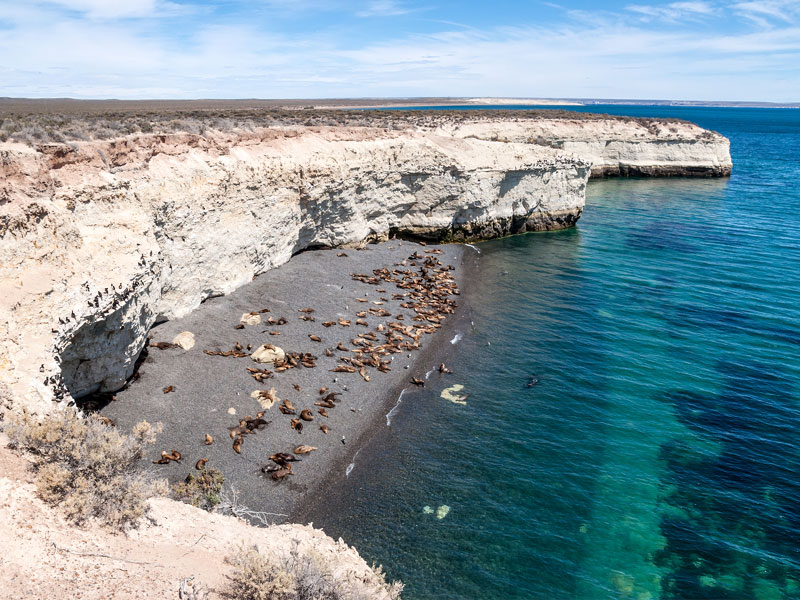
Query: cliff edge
{"x":101,"y":239}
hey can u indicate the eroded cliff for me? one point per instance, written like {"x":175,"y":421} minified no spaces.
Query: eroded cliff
{"x":102,"y":239}
{"x":99,"y":240}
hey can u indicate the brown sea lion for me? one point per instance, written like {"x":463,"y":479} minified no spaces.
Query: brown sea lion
{"x":306,"y":415}
{"x":418,"y":382}
{"x":304,"y":449}
{"x":237,"y":445}
{"x":324,"y":429}
{"x":209,"y":440}
{"x":201,"y":464}
{"x":168,"y":389}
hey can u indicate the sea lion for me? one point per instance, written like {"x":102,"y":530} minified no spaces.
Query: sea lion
{"x":344,"y":322}
{"x":322,"y":390}
{"x":281,"y":473}
{"x":165,"y":459}
{"x":239,"y":326}
{"x":418,"y":382}
{"x":323,"y":412}
{"x":306,"y":415}
{"x":304,"y":449}
{"x":324,"y":429}
{"x":306,"y":310}
{"x":444,"y":369}
{"x":297,"y":424}
{"x":201,"y":464}
{"x":164,"y":345}
{"x":297,"y":387}
{"x":341,"y":254}
{"x":237,"y":445}
{"x":209,"y":440}
{"x":314,"y":338}
{"x":329,"y":323}
{"x":168,"y":389}
{"x":283,"y":457}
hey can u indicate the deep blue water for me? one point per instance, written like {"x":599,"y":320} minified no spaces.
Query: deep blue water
{"x":658,"y":456}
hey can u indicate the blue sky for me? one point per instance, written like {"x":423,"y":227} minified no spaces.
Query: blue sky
{"x":693,"y":50}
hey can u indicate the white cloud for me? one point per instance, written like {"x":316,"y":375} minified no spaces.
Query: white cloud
{"x":114,"y":9}
{"x":762,"y":13}
{"x":674,"y":11}
{"x":600,"y":55}
{"x":383,"y":8}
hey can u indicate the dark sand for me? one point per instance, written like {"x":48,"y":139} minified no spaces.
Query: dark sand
{"x":206,"y":387}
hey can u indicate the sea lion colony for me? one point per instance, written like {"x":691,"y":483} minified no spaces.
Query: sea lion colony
{"x":425,"y":286}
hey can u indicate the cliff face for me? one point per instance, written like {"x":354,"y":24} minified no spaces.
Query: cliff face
{"x":98,"y":241}
{"x":616,"y":147}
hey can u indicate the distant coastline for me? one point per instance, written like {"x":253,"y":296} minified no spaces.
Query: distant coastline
{"x":71,"y":105}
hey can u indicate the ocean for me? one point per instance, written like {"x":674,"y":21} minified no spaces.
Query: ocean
{"x":631,"y":426}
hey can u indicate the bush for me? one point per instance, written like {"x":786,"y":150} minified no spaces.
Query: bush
{"x":85,"y":466}
{"x":203,"y":490}
{"x":299,"y":577}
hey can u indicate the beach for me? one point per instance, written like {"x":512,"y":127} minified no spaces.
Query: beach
{"x":211,"y":393}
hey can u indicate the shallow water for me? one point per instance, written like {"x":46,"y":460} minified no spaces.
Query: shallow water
{"x":656,"y":451}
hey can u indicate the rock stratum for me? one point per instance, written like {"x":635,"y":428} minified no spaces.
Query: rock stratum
{"x":99,"y":240}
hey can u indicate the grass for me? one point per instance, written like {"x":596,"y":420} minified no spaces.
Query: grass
{"x":85,"y":467}
{"x":300,"y":576}
{"x":203,"y":490}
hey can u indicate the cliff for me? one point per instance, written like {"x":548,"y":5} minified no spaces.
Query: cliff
{"x":99,"y":240}
{"x":614,"y":146}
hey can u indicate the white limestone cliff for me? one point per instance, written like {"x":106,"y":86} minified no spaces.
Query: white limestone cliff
{"x":614,"y":146}
{"x":100,"y":240}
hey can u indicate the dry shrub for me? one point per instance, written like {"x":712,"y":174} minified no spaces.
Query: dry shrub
{"x":203,"y":490}
{"x":85,"y":466}
{"x":299,"y":576}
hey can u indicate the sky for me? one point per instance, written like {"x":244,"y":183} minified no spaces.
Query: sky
{"x":134,"y":49}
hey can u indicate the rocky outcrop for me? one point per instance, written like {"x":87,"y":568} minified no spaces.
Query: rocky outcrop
{"x":98,"y":241}
{"x":615,"y":146}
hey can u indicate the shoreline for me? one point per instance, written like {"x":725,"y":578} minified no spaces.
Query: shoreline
{"x":207,"y":388}
{"x":437,"y":350}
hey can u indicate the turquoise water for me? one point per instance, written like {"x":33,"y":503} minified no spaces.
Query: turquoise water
{"x":658,"y":455}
